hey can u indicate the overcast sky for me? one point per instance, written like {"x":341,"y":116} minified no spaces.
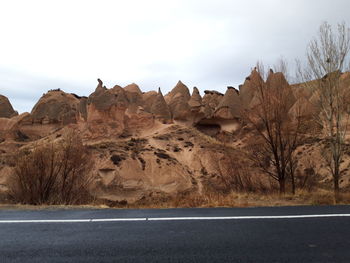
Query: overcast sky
{"x":210,"y":44}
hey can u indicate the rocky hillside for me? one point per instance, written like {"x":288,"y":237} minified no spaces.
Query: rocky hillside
{"x":147,"y":145}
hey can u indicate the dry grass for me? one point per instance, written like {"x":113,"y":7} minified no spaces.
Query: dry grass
{"x":190,"y":200}
{"x":51,"y":207}
{"x":236,"y":199}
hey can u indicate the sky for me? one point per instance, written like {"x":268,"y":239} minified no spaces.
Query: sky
{"x":210,"y":44}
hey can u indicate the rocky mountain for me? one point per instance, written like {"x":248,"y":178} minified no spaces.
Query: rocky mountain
{"x":146,"y":145}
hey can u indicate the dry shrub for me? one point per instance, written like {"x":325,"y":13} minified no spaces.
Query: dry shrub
{"x":322,"y":199}
{"x":317,"y":196}
{"x":56,"y":173}
{"x":240,"y":178}
{"x":235,"y":174}
{"x":344,"y":198}
{"x":188,"y":200}
{"x":308,"y":179}
{"x":210,"y":198}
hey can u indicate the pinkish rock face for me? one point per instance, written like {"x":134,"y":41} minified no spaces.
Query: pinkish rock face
{"x":56,"y":107}
{"x":6,"y":110}
{"x":178,"y":99}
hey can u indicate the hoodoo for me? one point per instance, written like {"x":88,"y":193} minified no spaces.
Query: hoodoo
{"x":6,"y":110}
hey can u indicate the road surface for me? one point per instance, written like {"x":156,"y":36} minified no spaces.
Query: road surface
{"x":280,"y":234}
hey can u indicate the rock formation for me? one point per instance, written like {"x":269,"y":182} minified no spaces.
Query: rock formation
{"x":107,"y":106}
{"x":229,"y":106}
{"x":146,"y":145}
{"x":250,"y":86}
{"x":160,"y":108}
{"x":57,"y":107}
{"x":180,"y":90}
{"x":133,"y":88}
{"x":196,"y":99}
{"x":148,"y":99}
{"x":177,"y":99}
{"x":277,"y":81}
{"x":211,"y":100}
{"x":6,"y":110}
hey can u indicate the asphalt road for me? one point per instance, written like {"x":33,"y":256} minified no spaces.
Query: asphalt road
{"x":285,"y":234}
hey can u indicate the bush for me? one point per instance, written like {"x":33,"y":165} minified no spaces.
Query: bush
{"x":117,"y":159}
{"x":56,"y":173}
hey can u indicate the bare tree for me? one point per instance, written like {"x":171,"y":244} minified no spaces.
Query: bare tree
{"x":279,"y":132}
{"x":56,"y":173}
{"x":327,"y":58}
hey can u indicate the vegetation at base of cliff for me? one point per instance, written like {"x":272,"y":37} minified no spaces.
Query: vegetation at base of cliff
{"x":56,"y":173}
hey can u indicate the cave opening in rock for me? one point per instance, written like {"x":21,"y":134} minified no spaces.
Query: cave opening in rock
{"x":211,"y":129}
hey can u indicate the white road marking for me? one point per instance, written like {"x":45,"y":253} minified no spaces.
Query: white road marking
{"x":47,"y":221}
{"x":118,"y":219}
{"x":246,"y":217}
{"x":169,"y":218}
